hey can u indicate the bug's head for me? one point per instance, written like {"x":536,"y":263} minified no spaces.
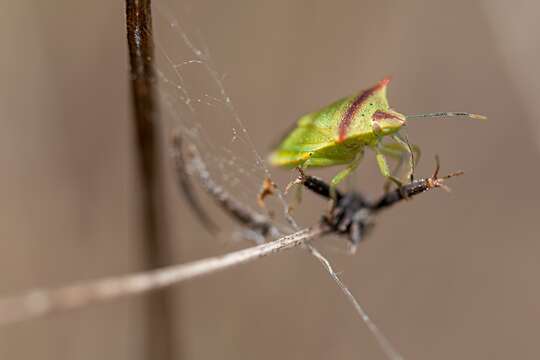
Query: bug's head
{"x":387,"y":122}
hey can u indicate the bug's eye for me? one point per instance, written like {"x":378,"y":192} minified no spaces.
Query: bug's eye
{"x":387,"y":122}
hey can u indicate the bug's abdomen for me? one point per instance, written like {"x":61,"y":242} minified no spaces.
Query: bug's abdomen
{"x":331,"y":154}
{"x":296,"y":148}
{"x":315,"y":141}
{"x":287,"y":158}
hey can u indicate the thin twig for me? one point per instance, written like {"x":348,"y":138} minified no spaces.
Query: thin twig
{"x":241,"y":213}
{"x":141,"y":55}
{"x":186,"y":188}
{"x":37,"y":303}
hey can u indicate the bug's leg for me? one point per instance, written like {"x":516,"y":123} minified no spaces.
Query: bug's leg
{"x":400,"y":152}
{"x":297,"y":199}
{"x":300,"y":188}
{"x":393,"y":151}
{"x":383,"y":166}
{"x":342,"y":175}
{"x":297,"y":183}
{"x":411,"y":151}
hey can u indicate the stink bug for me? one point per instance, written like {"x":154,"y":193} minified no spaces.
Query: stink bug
{"x":338,"y":134}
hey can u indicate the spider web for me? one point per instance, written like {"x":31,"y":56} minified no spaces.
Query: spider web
{"x":195,"y":102}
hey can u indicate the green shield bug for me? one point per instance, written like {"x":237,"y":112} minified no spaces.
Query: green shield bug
{"x":339,"y":133}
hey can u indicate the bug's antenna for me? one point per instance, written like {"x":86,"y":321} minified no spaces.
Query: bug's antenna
{"x":437,"y":167}
{"x":441,"y":114}
{"x":436,"y":181}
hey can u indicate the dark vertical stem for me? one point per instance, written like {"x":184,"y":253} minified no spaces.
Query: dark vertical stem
{"x":160,"y":312}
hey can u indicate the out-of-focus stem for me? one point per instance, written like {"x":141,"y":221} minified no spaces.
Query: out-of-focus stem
{"x":160,"y":314}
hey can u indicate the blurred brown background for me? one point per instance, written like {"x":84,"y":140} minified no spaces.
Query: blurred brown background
{"x":445,"y":276}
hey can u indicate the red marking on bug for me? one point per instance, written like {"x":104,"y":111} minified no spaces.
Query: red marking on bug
{"x":355,"y":105}
{"x":381,"y":115}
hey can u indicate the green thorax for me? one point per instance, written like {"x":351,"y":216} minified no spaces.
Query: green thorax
{"x":344,"y":126}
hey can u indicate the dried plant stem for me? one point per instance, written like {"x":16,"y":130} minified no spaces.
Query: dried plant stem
{"x":160,"y":315}
{"x":41,"y":302}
